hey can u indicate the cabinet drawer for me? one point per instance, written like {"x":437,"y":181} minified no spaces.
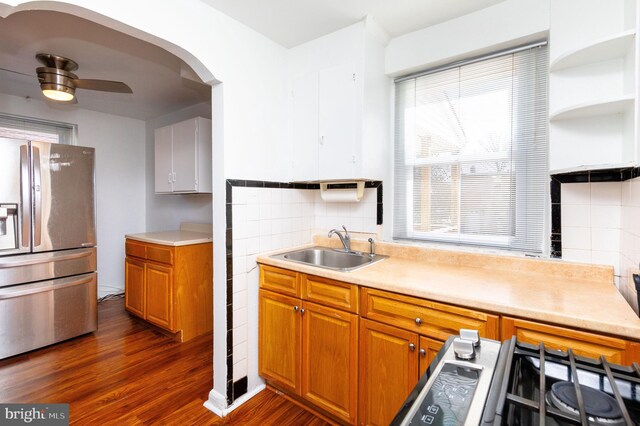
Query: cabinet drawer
{"x":618,"y":351}
{"x":432,"y":319}
{"x":280,"y":280}
{"x":136,"y":249}
{"x":161,"y":254}
{"x":329,"y":292}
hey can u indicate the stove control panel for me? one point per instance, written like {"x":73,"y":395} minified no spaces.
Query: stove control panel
{"x":465,"y":346}
{"x":458,"y":385}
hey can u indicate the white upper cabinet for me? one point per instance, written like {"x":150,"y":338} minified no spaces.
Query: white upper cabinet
{"x":339,"y":106}
{"x":593,"y":85}
{"x":183,"y":157}
{"x":337,"y":122}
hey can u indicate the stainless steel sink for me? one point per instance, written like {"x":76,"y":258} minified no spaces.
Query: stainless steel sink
{"x":329,"y":258}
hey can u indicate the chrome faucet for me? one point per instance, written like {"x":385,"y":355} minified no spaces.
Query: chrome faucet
{"x":345,"y":240}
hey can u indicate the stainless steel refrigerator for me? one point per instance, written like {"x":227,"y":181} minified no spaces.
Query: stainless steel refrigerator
{"x":48,"y":283}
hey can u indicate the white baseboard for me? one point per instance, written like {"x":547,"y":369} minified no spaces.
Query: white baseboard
{"x":217,"y":403}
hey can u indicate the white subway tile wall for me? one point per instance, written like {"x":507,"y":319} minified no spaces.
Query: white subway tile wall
{"x":266,"y":219}
{"x":357,"y":217}
{"x":630,"y":238}
{"x":591,"y":223}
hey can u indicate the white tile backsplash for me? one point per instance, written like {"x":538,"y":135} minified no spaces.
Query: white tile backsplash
{"x":576,"y":238}
{"x":606,"y":193}
{"x":576,"y":215}
{"x":357,"y":217}
{"x":576,"y":193}
{"x":603,"y":216}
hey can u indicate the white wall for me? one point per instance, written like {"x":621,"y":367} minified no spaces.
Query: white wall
{"x":120,"y":183}
{"x":248,"y":113}
{"x":630,"y":239}
{"x":503,"y":25}
{"x":166,"y":211}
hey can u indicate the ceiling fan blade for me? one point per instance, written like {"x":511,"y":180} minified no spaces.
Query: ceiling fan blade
{"x":16,"y":72}
{"x":102,"y":85}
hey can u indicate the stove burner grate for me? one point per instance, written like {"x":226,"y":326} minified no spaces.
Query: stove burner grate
{"x":597,"y":405}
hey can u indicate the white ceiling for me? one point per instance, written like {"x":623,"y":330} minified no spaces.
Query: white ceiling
{"x":156,"y":76}
{"x":292,"y":22}
{"x":101,"y":53}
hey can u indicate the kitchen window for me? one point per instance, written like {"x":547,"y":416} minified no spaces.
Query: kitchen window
{"x":15,"y":127}
{"x":471,"y":152}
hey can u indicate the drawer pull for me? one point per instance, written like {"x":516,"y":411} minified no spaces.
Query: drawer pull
{"x":422,"y":352}
{"x":412,"y":347}
{"x":418,"y":321}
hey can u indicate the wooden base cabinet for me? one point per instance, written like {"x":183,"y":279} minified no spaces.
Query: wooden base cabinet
{"x":388,"y":370}
{"x":616,"y":350}
{"x":308,"y":340}
{"x":330,"y":360}
{"x":280,"y":340}
{"x":171,"y":287}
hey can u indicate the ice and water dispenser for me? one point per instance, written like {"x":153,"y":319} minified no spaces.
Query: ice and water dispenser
{"x":8,"y":226}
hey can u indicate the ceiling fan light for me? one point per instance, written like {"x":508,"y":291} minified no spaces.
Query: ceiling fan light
{"x":58,"y":92}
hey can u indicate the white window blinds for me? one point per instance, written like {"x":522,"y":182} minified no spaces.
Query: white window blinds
{"x":471,"y":152}
{"x":15,"y":127}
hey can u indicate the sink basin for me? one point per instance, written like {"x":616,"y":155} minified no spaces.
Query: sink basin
{"x":329,"y":258}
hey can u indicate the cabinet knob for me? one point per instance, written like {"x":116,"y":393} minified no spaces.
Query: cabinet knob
{"x":302,"y":311}
{"x":295,"y":309}
{"x":422,"y":352}
{"x":412,"y":347}
{"x":418,"y":321}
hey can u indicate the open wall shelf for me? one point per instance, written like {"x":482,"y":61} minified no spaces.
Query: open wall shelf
{"x":614,"y":105}
{"x":615,"y":46}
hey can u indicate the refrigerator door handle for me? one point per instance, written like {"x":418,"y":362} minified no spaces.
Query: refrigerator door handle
{"x":37,"y":181}
{"x":25,"y":290}
{"x":14,"y":262}
{"x":25,"y":195}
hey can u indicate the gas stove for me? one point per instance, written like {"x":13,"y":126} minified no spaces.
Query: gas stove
{"x":477,"y":381}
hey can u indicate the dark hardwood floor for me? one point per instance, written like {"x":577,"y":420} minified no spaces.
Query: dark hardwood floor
{"x":127,"y":373}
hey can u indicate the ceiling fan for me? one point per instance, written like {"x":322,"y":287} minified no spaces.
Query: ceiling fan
{"x":58,"y":82}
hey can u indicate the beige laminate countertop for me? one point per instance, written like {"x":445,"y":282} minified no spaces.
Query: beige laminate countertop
{"x":590,"y":305}
{"x":173,"y":238}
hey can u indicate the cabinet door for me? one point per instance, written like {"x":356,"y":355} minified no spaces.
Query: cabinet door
{"x":590,"y":345}
{"x":304,"y":127}
{"x":337,"y":122}
{"x":330,"y":360}
{"x":160,"y":296}
{"x":185,"y":156}
{"x":163,"y":159}
{"x":134,"y":287}
{"x":388,"y":370}
{"x":429,"y":348}
{"x":280,"y":332}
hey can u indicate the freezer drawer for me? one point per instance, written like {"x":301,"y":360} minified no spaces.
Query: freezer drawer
{"x":46,"y":266}
{"x":43,"y":313}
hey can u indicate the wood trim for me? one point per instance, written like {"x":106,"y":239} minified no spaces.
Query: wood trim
{"x":431,"y":348}
{"x":280,"y":280}
{"x":280,"y":340}
{"x":193,"y":289}
{"x":591,"y":345}
{"x":371,"y":388}
{"x":437,"y":320}
{"x":135,"y":249}
{"x":159,"y":280}
{"x":135,"y":295}
{"x":329,"y":292}
{"x":330,"y":360}
{"x":160,"y":254}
